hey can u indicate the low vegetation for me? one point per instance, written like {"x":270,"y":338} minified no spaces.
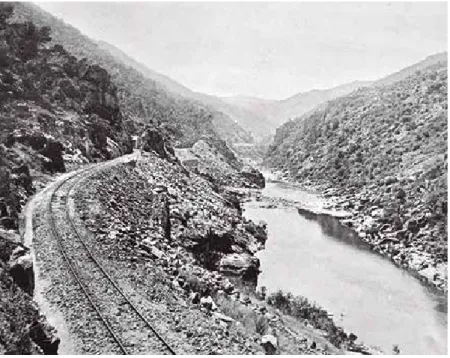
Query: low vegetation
{"x":383,"y":151}
{"x":302,"y":309}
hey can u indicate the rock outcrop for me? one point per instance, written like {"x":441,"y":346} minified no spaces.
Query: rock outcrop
{"x":56,"y":111}
{"x":21,"y":269}
{"x":243,"y":265}
{"x":152,"y":140}
{"x":19,"y":312}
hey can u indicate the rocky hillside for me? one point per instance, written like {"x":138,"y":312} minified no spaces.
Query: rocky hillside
{"x":214,"y":161}
{"x":383,"y":151}
{"x":436,"y":59}
{"x":55,"y":110}
{"x":174,"y":237}
{"x":145,"y":97}
{"x":186,"y":212}
{"x":224,"y":119}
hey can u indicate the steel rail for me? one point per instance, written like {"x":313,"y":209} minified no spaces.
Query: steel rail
{"x":72,"y":267}
{"x":108,"y":276}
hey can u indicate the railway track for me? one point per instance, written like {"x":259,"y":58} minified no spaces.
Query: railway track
{"x":128,"y":328}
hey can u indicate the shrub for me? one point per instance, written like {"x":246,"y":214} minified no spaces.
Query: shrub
{"x":300,"y":308}
{"x":251,"y":320}
{"x":261,"y":325}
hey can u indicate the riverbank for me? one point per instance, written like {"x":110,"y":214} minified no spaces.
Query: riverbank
{"x":366,"y":216}
{"x":319,"y":258}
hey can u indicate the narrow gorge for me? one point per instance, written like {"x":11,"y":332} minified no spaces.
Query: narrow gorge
{"x":140,"y":216}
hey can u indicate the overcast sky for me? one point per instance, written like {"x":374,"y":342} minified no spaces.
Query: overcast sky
{"x":269,"y":50}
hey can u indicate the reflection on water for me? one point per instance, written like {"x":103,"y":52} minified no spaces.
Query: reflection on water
{"x":335,"y":230}
{"x":319,"y":258}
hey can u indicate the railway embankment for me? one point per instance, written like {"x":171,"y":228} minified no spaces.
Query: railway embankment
{"x":182,"y":255}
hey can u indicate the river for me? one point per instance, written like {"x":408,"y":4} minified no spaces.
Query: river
{"x":367,"y":294}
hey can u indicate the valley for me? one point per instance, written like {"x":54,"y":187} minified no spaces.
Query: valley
{"x":138,"y":216}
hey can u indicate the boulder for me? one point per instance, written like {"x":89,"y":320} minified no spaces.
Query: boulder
{"x":243,"y":265}
{"x":152,"y":140}
{"x":269,"y":343}
{"x":21,"y":269}
{"x":148,"y":246}
{"x":44,"y":336}
{"x":253,"y":176}
{"x":412,"y":226}
{"x":208,"y":303}
{"x":222,"y":317}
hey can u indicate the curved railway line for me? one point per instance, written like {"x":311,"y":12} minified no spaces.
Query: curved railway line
{"x":115,"y":310}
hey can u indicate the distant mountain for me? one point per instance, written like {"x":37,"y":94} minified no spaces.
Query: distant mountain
{"x":257,"y":123}
{"x":301,"y":103}
{"x":187,"y":115}
{"x":240,"y":114}
{"x":257,"y":113}
{"x":233,"y":123}
{"x":263,"y":116}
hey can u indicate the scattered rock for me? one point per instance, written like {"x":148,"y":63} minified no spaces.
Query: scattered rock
{"x":194,"y":297}
{"x":208,"y":303}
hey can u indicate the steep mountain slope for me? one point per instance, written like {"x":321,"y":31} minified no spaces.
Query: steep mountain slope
{"x":249,"y":121}
{"x":383,"y":151}
{"x":54,"y":110}
{"x":142,"y":98}
{"x":224,"y":121}
{"x":301,"y":103}
{"x":235,"y":117}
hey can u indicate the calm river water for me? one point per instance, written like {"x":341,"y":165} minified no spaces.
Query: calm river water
{"x":367,"y":294}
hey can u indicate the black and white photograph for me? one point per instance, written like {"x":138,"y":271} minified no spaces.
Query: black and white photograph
{"x":223,"y":178}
